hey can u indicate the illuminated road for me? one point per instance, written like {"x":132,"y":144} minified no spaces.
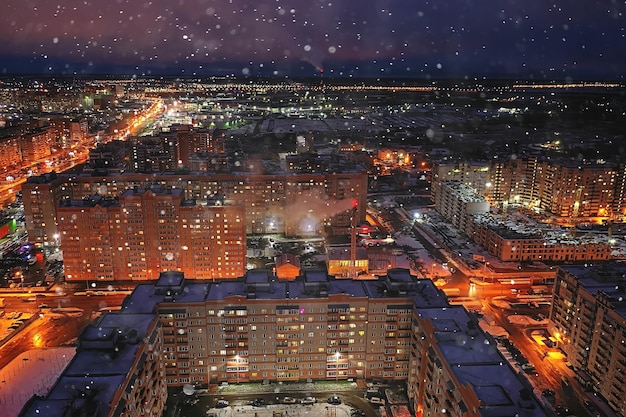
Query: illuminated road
{"x":47,"y":331}
{"x":80,"y":154}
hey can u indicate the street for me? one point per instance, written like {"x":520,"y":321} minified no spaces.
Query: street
{"x":49,"y":330}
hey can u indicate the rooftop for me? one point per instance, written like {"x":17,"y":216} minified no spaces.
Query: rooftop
{"x":260,"y":284}
{"x":474,"y":360}
{"x":605,"y":280}
{"x":106,"y":353}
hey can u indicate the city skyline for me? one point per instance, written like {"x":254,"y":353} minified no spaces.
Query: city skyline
{"x":558,"y":40}
{"x":461,"y":241}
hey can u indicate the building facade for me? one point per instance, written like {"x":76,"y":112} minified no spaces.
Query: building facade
{"x":397,"y":328}
{"x":294,"y":204}
{"x":459,"y":204}
{"x":147,"y":231}
{"x":588,"y":321}
{"x":512,"y":238}
{"x":561,"y":187}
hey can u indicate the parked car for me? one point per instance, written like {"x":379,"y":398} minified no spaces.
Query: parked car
{"x":289,"y":400}
{"x":308,"y":400}
{"x":334,"y":400}
{"x":377,"y":400}
{"x":222,"y":404}
{"x":257,"y":402}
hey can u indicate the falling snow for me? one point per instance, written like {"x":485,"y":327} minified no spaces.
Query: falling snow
{"x":401,"y":37}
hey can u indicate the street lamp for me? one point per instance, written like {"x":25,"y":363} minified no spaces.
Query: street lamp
{"x":337,"y":356}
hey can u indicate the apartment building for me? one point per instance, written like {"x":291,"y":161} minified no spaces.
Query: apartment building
{"x":208,"y":162}
{"x":513,"y":240}
{"x":10,"y":151}
{"x":78,"y":130}
{"x":36,"y":144}
{"x":294,"y":204}
{"x":41,"y":196}
{"x":457,"y":370}
{"x":146,"y":231}
{"x":514,"y":237}
{"x":459,"y":203}
{"x":475,"y":175}
{"x":110,"y":157}
{"x":397,"y":327}
{"x":118,"y":371}
{"x":588,"y":321}
{"x":583,"y":191}
{"x":190,"y":140}
{"x":154,"y":154}
{"x":561,"y":187}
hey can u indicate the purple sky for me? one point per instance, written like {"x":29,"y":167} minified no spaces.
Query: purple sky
{"x":406,"y":38}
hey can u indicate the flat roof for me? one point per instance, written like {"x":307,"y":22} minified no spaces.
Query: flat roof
{"x":475,"y":360}
{"x":607,"y":278}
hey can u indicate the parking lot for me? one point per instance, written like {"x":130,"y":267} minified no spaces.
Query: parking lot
{"x":342,"y":399}
{"x":283,"y":410}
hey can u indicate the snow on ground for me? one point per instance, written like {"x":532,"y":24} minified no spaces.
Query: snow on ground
{"x":422,"y":256}
{"x":317,"y":410}
{"x":500,"y":302}
{"x":33,"y":372}
{"x":525,"y":320}
{"x":493,"y":330}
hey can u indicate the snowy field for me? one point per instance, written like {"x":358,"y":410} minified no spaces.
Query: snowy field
{"x":32,"y":372}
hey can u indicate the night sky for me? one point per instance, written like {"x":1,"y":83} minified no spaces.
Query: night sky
{"x":541,"y":39}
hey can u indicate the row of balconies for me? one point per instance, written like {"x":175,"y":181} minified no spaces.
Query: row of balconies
{"x":236,"y":337}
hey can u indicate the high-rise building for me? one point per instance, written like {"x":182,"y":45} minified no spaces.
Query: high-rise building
{"x":397,"y":327}
{"x":473,"y":174}
{"x":78,"y":130}
{"x":153,"y":154}
{"x":109,"y":158}
{"x":147,"y":231}
{"x":10,"y":150}
{"x":511,"y":239}
{"x":36,"y":144}
{"x":561,"y":187}
{"x":588,"y":322}
{"x":457,"y":370}
{"x":190,"y":141}
{"x":118,"y":371}
{"x":294,"y":204}
{"x":459,"y":203}
{"x":41,"y":196}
